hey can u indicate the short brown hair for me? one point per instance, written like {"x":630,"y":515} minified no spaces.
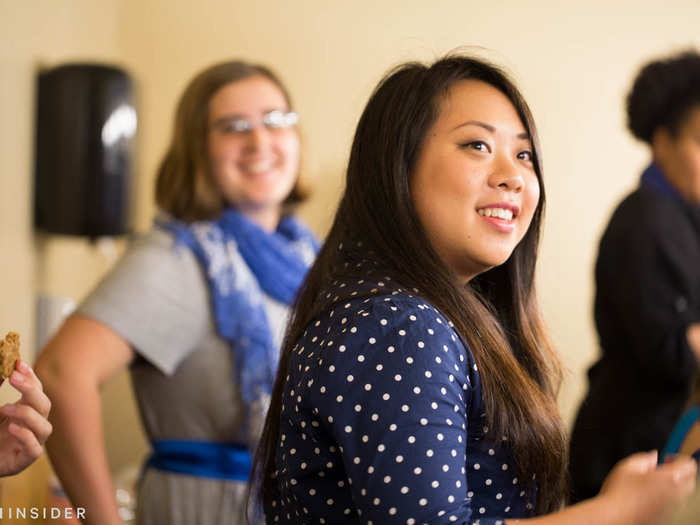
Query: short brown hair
{"x":185,"y":188}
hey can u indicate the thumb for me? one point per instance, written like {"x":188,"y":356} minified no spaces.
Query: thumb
{"x":682,"y":468}
{"x":642,"y":462}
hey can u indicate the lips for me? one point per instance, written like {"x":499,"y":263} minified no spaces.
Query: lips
{"x":502,"y":210}
{"x":500,"y":215}
{"x":257,"y":166}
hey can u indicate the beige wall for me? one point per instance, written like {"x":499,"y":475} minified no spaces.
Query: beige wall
{"x":573,"y":63}
{"x":37,"y":34}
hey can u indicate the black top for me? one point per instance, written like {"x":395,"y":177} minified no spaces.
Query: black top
{"x":382,"y":422}
{"x":647,"y":293}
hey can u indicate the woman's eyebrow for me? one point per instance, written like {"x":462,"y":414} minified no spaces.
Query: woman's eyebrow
{"x":226,"y":118}
{"x":236,"y":116}
{"x":484,"y":125}
{"x":524,"y":135}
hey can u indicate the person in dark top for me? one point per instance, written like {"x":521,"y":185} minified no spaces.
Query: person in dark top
{"x":417,"y":383}
{"x":647,"y":304}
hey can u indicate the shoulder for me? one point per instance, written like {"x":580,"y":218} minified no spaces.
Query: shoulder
{"x":398,"y":331}
{"x":391,"y":315}
{"x":156,"y":298}
{"x":644,"y":214}
{"x":645,"y":228}
{"x":395,"y":353}
{"x":155,"y":265}
{"x":155,"y":243}
{"x":156,"y":251}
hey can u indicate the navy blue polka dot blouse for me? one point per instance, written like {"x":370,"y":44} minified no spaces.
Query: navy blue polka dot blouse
{"x":382,"y":422}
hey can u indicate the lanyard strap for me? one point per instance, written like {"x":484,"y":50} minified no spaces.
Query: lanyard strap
{"x":205,"y":459}
{"x":680,"y":431}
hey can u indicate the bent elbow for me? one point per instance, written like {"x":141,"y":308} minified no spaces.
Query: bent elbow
{"x":50,"y":369}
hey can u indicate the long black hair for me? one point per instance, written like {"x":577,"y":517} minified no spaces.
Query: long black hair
{"x":496,"y":313}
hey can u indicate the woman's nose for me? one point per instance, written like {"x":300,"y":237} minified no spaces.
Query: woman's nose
{"x":507,"y":175}
{"x":258,"y":138}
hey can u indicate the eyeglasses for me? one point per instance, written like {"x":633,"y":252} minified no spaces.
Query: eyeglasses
{"x":275,"y":119}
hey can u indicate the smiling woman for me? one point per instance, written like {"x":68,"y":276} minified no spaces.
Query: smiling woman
{"x":253,"y":147}
{"x":196,"y":310}
{"x":475,"y":221}
{"x":417,"y":383}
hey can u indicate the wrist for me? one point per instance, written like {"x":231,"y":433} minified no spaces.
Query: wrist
{"x":609,"y":510}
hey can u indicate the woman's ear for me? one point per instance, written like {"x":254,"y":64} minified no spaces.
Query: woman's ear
{"x":661,"y":145}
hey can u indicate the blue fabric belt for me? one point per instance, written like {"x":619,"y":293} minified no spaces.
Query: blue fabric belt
{"x":205,"y":459}
{"x":680,"y":431}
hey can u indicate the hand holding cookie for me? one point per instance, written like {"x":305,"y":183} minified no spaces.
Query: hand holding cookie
{"x":9,"y":354}
{"x":24,"y":426}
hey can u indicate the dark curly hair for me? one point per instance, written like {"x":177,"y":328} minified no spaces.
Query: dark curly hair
{"x":663,"y":94}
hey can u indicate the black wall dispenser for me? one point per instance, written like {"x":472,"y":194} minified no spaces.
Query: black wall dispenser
{"x":86,"y":123}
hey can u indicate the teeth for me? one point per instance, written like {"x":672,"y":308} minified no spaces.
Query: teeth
{"x":258,"y":167}
{"x":500,"y":213}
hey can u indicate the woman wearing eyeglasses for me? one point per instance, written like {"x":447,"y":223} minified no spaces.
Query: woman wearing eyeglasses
{"x":196,"y":309}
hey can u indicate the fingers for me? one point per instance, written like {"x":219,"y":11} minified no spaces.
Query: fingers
{"x":681,"y":469}
{"x":24,"y":380}
{"x":641,"y":462}
{"x":24,"y":367}
{"x":658,"y":490}
{"x":24,"y":416}
{"x":668,"y":458}
{"x":676,"y":480}
{"x":28,"y":440}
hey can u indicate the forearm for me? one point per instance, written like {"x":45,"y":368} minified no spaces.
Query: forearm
{"x":81,"y":357}
{"x":76,"y":450}
{"x":636,"y":492}
{"x":596,"y":511}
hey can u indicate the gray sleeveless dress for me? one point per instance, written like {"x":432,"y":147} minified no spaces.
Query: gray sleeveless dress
{"x":157,"y":299}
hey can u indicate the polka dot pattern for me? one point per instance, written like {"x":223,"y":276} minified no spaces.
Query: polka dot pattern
{"x":389,"y":429}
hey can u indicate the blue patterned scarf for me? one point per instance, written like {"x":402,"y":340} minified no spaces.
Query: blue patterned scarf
{"x":279,"y":262}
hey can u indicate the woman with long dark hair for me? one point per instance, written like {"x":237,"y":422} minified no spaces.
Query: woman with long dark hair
{"x":417,"y":382}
